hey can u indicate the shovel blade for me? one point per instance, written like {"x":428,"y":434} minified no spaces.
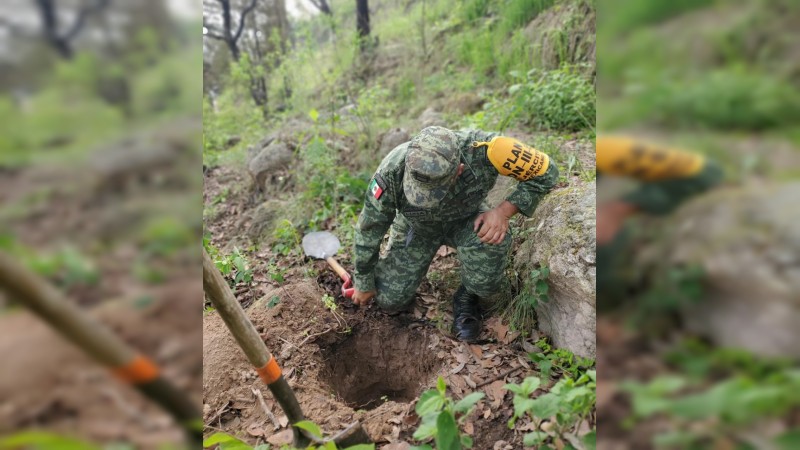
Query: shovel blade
{"x":320,"y":244}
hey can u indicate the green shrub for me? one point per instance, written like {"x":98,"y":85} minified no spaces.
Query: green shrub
{"x":559,"y":99}
{"x":474,"y":10}
{"x":441,"y":417}
{"x":726,"y":99}
{"x":521,"y":311}
{"x":565,"y":406}
{"x":517,"y":13}
{"x":734,"y":406}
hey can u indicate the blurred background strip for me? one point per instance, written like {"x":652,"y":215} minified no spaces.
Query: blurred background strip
{"x":698,"y":272}
{"x":100,"y":139}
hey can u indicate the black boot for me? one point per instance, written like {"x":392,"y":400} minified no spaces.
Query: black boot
{"x":466,"y":316}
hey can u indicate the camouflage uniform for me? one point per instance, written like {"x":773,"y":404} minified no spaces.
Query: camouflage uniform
{"x":685,"y":175}
{"x":417,"y":233}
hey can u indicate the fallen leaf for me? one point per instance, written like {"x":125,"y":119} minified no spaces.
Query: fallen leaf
{"x":487,"y":413}
{"x":509,"y":338}
{"x":496,"y":392}
{"x":495,"y":325}
{"x":502,"y":445}
{"x":457,"y":384}
{"x":477,"y":351}
{"x":283,"y":421}
{"x":285,"y":437}
{"x":397,"y":446}
{"x":427,"y":299}
{"x":457,"y":368}
{"x":469,"y":428}
{"x":460,"y":356}
{"x":469,"y":381}
{"x":527,"y":426}
{"x":255,"y":430}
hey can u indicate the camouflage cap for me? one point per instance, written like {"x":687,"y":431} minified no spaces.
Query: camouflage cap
{"x":431,"y":166}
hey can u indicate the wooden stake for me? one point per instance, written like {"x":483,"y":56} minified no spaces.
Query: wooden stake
{"x":91,"y":336}
{"x":244,"y":332}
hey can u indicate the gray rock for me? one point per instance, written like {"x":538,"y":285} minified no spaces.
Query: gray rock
{"x":430,"y":117}
{"x":273,"y":158}
{"x":747,"y":240}
{"x":561,"y":236}
{"x":392,"y":139}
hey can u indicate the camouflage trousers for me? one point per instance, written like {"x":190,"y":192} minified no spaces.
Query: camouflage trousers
{"x":412,"y":248}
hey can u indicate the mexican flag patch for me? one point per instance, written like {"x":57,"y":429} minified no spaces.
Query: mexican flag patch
{"x":376,"y":187}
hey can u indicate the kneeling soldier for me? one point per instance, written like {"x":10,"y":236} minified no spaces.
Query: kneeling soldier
{"x":431,"y":191}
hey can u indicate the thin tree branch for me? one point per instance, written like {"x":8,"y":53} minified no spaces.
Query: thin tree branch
{"x":83,"y":14}
{"x":243,"y":17}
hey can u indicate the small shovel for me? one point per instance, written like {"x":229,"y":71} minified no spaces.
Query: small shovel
{"x":323,"y":245}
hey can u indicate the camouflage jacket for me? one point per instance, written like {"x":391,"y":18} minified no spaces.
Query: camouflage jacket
{"x":462,"y":202}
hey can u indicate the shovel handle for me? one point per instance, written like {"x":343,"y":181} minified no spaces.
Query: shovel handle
{"x":347,"y":289}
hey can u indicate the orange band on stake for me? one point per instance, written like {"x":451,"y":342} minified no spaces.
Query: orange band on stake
{"x":270,"y":372}
{"x":140,"y":370}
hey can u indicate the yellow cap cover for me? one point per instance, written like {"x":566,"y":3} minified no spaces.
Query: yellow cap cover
{"x":624,"y":156}
{"x":514,"y":159}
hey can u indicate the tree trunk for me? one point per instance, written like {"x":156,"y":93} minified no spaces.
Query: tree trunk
{"x":362,"y":24}
{"x":49,"y":17}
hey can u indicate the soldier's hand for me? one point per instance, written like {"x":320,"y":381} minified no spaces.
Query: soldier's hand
{"x":491,"y":226}
{"x":362,"y":298}
{"x":610,"y":218}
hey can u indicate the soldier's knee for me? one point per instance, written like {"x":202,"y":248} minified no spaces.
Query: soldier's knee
{"x":484,"y":288}
{"x":394,"y":295}
{"x":393,"y":301}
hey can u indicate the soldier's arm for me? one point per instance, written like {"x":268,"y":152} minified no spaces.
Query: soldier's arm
{"x":375,"y":219}
{"x":669,"y":176}
{"x":528,"y":194}
{"x":661,"y":197}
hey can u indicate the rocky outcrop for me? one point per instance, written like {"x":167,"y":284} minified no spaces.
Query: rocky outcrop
{"x":430,"y":118}
{"x":267,"y":162}
{"x":392,"y":139}
{"x":561,"y":236}
{"x":747,"y":242}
